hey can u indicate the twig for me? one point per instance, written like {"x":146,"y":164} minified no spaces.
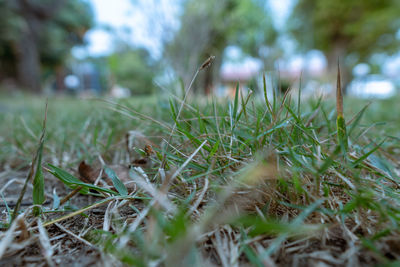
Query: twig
{"x":70,"y":195}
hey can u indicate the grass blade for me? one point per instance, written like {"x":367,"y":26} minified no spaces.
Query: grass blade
{"x":357,"y":118}
{"x":236,"y":103}
{"x":360,"y":159}
{"x":340,"y":121}
{"x":299,"y":97}
{"x":213,"y":150}
{"x":266,"y":95}
{"x":73,"y":182}
{"x":38,"y":184}
{"x":116,"y":181}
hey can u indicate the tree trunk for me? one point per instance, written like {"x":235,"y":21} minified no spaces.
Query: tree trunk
{"x":27,"y":54}
{"x":208,"y":81}
{"x":28,"y":62}
{"x":60,"y":75}
{"x":27,"y":51}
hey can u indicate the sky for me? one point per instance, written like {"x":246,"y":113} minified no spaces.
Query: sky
{"x":129,"y":23}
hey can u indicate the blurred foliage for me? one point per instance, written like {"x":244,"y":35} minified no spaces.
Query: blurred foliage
{"x":133,"y":69}
{"x":347,"y":28}
{"x":208,"y":27}
{"x":64,"y":31}
{"x":37,"y":35}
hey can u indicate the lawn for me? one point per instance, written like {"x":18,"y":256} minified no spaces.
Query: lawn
{"x":157,"y":181}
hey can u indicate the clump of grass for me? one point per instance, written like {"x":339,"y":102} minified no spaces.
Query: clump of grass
{"x":37,"y":175}
{"x":239,"y":182}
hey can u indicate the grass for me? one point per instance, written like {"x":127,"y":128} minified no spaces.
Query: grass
{"x":246,"y":181}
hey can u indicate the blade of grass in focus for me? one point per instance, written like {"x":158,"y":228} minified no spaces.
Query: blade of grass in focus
{"x":340,"y":121}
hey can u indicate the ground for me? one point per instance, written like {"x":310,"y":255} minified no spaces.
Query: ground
{"x":242,"y":182}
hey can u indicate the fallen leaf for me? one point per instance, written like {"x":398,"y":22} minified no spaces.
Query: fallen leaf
{"x":87,"y":173}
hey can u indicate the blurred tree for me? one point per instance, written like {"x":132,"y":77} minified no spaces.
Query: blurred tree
{"x":353,"y":28}
{"x":39,"y":33}
{"x":208,"y":27}
{"x":133,"y":69}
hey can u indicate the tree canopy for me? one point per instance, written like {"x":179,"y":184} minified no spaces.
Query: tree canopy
{"x":39,"y":34}
{"x":134,"y":69}
{"x":347,"y":28}
{"x":208,"y":27}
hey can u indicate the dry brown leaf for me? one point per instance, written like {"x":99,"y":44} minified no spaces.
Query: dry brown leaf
{"x":87,"y":173}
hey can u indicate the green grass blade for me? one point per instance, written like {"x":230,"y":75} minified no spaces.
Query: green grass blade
{"x":172,"y":108}
{"x":296,"y":223}
{"x":213,"y":150}
{"x":340,"y":121}
{"x":299,"y":98}
{"x":276,"y":127}
{"x":116,"y":181}
{"x":266,"y":95}
{"x":56,"y":200}
{"x":236,"y":103}
{"x":73,"y":182}
{"x":193,"y":138}
{"x":38,"y":183}
{"x":357,"y":118}
{"x":382,"y":165}
{"x":341,"y":133}
{"x":361,"y":159}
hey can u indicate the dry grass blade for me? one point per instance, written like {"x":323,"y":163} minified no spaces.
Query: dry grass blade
{"x":227,"y":246}
{"x":9,"y":235}
{"x":344,"y":179}
{"x":46,"y":245}
{"x":200,"y":198}
{"x":339,"y":94}
{"x":158,"y":195}
{"x":75,"y":236}
{"x":122,"y":109}
{"x":108,"y":216}
{"x":78,"y":212}
{"x":132,"y":228}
